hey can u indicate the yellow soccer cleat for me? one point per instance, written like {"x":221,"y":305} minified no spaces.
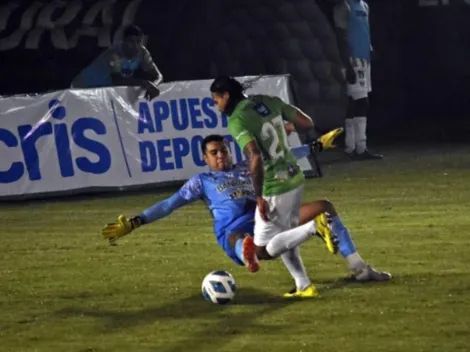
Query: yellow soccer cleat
{"x":327,"y":140}
{"x":309,"y":292}
{"x":325,"y":233}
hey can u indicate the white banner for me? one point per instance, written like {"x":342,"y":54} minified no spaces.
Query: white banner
{"x":77,"y":139}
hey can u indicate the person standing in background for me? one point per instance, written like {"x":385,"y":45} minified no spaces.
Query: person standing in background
{"x":351,"y":22}
{"x":119,"y":64}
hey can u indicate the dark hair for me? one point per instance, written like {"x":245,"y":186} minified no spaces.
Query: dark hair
{"x":234,"y":88}
{"x":209,"y":139}
{"x":131,"y":31}
{"x":228,"y":84}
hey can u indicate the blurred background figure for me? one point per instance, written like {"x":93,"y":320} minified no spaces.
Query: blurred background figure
{"x":126,"y":63}
{"x":351,"y":22}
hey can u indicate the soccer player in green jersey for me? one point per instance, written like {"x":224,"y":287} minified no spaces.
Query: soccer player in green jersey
{"x":257,"y":124}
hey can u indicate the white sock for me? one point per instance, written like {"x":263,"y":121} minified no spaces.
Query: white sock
{"x":360,"y":127}
{"x":350,"y":136}
{"x":294,"y":264}
{"x":355,"y":261}
{"x":290,"y":239}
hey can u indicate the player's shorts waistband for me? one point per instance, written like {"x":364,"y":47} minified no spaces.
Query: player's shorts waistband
{"x":358,"y":62}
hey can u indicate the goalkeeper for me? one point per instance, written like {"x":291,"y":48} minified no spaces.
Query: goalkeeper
{"x":228,"y":192}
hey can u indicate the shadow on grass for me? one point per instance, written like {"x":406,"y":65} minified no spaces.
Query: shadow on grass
{"x":340,"y":283}
{"x":219,"y":325}
{"x":192,"y":307}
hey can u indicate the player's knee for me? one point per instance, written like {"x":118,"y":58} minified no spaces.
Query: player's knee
{"x":327,"y":207}
{"x":262,"y":253}
{"x":361,"y":106}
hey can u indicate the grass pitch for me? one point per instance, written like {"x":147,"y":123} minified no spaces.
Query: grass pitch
{"x":62,"y":288}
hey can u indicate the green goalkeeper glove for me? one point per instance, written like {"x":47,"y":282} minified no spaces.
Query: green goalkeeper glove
{"x":124,"y":226}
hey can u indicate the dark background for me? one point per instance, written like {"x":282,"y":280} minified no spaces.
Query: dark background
{"x":421,"y":76}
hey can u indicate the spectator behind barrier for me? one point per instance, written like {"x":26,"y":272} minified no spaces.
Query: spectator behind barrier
{"x":118,"y":65}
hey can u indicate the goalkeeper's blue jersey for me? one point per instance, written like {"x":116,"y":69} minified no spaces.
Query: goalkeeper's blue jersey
{"x":229,"y":195}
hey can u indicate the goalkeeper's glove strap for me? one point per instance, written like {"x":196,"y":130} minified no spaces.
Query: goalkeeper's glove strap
{"x":136,"y":222}
{"x":316,"y":146}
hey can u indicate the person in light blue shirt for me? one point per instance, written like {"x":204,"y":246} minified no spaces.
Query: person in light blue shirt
{"x":120,"y":64}
{"x":227,"y":190}
{"x":351,"y":21}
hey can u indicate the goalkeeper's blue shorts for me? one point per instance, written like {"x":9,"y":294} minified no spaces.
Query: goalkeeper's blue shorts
{"x":243,"y":225}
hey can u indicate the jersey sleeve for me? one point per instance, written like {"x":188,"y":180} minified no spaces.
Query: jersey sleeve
{"x":288,"y":111}
{"x":191,"y":191}
{"x":240,"y":132}
{"x":147,"y":63}
{"x":366,"y":7}
{"x":341,"y":15}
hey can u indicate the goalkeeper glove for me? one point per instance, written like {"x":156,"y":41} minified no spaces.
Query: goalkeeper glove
{"x":327,"y":140}
{"x":124,"y":226}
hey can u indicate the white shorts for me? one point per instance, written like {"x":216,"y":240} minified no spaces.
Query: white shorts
{"x":283,"y":215}
{"x":363,"y":85}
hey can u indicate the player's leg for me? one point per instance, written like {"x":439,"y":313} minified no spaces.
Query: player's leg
{"x":349,"y":130}
{"x":303,"y":286}
{"x":238,"y":242}
{"x":302,"y":289}
{"x":356,"y":91}
{"x":287,"y":207}
{"x":284,"y":214}
{"x":356,"y":120}
{"x":361,"y":107}
{"x":291,"y":259}
{"x":360,"y":270}
{"x":234,"y":248}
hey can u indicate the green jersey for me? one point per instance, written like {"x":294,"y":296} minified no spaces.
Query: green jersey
{"x":260,"y":118}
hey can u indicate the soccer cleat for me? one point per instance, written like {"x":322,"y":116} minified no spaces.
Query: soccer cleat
{"x":368,"y":273}
{"x":367,"y":155}
{"x":309,"y":292}
{"x":249,"y":253}
{"x":325,"y":233}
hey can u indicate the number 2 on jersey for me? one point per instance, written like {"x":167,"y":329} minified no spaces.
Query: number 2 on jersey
{"x":274,"y":130}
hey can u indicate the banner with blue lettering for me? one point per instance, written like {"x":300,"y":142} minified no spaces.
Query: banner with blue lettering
{"x":111,"y":137}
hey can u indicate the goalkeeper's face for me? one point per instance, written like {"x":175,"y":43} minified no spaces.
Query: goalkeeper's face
{"x":217,"y":156}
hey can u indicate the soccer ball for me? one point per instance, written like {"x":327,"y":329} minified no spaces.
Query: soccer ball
{"x":219,"y":287}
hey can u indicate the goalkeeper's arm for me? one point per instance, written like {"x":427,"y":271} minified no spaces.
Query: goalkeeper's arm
{"x":325,"y":141}
{"x":191,"y":191}
{"x":161,"y":209}
{"x":125,"y":226}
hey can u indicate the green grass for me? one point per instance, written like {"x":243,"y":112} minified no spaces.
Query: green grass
{"x":63,"y":289}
